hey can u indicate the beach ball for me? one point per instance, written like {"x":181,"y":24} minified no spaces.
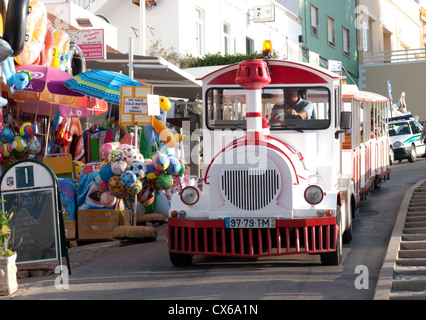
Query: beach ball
{"x":106,"y":173}
{"x":118,"y":167}
{"x":139,"y":168}
{"x":19,"y":145}
{"x":6,"y":150}
{"x":151,"y":173}
{"x":136,"y":188}
{"x":103,"y":186}
{"x":161,"y":161}
{"x":131,"y":153}
{"x":108,"y":199}
{"x":6,"y":135}
{"x":116,"y":186}
{"x":106,"y":149}
{"x":128,"y":178}
{"x":115,"y":156}
{"x":164,"y":181}
{"x":27,"y":130}
{"x":174,"y":167}
{"x":34,"y":146}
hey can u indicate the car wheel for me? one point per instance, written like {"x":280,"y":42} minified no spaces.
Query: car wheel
{"x":413,"y":154}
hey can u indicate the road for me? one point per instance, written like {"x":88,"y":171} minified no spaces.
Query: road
{"x":143,"y":271}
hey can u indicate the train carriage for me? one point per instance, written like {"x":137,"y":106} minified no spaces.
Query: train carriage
{"x":274,"y":183}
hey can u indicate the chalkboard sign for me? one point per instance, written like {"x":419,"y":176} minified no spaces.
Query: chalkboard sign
{"x":30,"y":191}
{"x":34,"y":234}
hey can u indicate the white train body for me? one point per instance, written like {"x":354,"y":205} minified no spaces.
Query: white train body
{"x":289,"y":186}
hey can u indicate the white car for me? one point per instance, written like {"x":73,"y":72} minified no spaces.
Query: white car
{"x":405,"y":139}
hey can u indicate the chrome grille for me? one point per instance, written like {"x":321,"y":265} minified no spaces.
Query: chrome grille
{"x":250,"y":189}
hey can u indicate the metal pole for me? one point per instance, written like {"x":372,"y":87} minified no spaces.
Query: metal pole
{"x":142,"y":32}
{"x":131,"y":57}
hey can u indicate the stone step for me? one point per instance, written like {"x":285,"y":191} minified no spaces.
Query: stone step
{"x":420,"y":262}
{"x":412,"y":253}
{"x":407,"y":295}
{"x":419,"y":208}
{"x":415,"y":224}
{"x":419,"y":218}
{"x":409,"y":285}
{"x":417,"y":203}
{"x":404,"y":271}
{"x":412,"y":245}
{"x":416,"y":213}
{"x":413,"y":237}
{"x":420,"y":230}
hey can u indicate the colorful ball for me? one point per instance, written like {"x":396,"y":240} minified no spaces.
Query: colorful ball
{"x":139,"y":168}
{"x":174,"y":167}
{"x":106,"y":172}
{"x":103,"y":186}
{"x":19,"y":145}
{"x":118,"y":167}
{"x":131,"y":153}
{"x":108,"y":199}
{"x":135,"y":189}
{"x":7,"y":150}
{"x":115,"y":156}
{"x":128,"y":178}
{"x":27,"y":130}
{"x":106,"y":149}
{"x":116,"y":186}
{"x":6,"y":135}
{"x":161,"y":161}
{"x":164,"y":181}
{"x":34,"y":146}
{"x":151,"y":173}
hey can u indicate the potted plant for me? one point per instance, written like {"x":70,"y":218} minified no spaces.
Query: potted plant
{"x":8,"y":270}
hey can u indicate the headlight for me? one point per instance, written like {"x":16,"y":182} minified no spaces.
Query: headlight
{"x":189,"y":196}
{"x":398,"y":144}
{"x":313,"y":194}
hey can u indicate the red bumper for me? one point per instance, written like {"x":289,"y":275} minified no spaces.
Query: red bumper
{"x":210,"y":237}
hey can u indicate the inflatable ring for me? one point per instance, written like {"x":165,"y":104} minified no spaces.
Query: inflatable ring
{"x":46,"y":55}
{"x":36,"y":31}
{"x":76,"y":62}
{"x":61,"y":47}
{"x":16,"y":25}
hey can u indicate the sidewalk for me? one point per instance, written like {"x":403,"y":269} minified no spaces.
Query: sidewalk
{"x":403,"y":274}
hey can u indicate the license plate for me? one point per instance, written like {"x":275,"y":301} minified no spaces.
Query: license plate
{"x":250,"y":223}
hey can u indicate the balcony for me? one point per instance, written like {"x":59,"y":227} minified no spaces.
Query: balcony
{"x":409,"y":55}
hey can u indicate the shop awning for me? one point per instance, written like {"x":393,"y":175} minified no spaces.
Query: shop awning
{"x":165,"y":78}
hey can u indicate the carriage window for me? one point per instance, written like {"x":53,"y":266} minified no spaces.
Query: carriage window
{"x":286,"y":108}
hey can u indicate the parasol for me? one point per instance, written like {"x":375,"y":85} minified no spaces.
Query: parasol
{"x":102,"y":84}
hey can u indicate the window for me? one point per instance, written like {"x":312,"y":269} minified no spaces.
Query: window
{"x":199,"y":24}
{"x":226,"y":108}
{"x":314,"y":21}
{"x":226,"y":38}
{"x":331,"y":32}
{"x":249,"y":46}
{"x":346,"y":42}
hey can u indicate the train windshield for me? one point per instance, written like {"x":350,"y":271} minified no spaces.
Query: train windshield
{"x":285,"y":108}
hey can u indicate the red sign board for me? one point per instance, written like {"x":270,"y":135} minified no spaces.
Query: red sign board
{"x":91,"y":42}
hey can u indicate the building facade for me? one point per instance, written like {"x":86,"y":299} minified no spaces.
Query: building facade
{"x":330,"y":34}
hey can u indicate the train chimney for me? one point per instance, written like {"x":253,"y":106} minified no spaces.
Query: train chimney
{"x":253,"y":75}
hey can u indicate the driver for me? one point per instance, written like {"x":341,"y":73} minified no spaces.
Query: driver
{"x":294,"y":106}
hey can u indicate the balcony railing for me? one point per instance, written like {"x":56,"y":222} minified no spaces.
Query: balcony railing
{"x":82,"y":3}
{"x":409,"y":55}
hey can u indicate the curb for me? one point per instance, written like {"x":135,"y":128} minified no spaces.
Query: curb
{"x":384,"y":283}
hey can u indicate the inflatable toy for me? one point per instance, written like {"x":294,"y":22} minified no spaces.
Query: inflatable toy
{"x":16,"y":25}
{"x":36,"y":32}
{"x":117,"y":187}
{"x":7,"y":150}
{"x":27,"y":130}
{"x":46,"y":54}
{"x":103,"y":186}
{"x":151,"y":173}
{"x":61,"y":47}
{"x":13,"y":79}
{"x":106,"y":149}
{"x":170,"y":140}
{"x":6,"y":135}
{"x":76,"y":63}
{"x":160,"y":162}
{"x":131,"y":153}
{"x":165,"y":104}
{"x":174,"y":167}
{"x":34,"y":146}
{"x":115,"y":156}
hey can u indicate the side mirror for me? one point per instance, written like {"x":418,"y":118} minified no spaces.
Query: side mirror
{"x":345,"y":120}
{"x":345,"y":123}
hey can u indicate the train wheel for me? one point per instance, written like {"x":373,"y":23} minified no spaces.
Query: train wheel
{"x":335,"y":258}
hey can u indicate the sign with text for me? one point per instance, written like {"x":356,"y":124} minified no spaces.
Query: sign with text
{"x":91,"y":42}
{"x":264,"y":14}
{"x":134,"y":105}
